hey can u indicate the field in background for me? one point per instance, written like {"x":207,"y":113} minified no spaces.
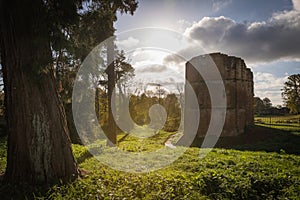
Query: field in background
{"x":287,"y":123}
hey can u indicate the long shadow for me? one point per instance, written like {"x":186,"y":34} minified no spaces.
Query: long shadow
{"x":258,"y":138}
{"x":283,"y":125}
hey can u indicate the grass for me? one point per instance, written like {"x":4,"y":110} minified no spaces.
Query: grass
{"x":222,"y":174}
{"x":278,"y":141}
{"x":2,"y":154}
{"x":132,"y":143}
{"x":286,"y":123}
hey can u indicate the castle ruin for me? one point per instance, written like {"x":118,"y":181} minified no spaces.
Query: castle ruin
{"x":238,"y":83}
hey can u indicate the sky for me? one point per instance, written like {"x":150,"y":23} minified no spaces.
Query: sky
{"x":265,"y":33}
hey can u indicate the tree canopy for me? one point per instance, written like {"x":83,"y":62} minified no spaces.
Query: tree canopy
{"x":291,"y":93}
{"x":36,"y":39}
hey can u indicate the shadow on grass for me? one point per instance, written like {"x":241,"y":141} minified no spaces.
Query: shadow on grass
{"x":296,"y":125}
{"x":258,"y":138}
{"x":22,"y":191}
{"x":86,"y":155}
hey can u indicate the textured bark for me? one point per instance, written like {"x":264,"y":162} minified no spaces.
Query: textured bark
{"x":39,"y":148}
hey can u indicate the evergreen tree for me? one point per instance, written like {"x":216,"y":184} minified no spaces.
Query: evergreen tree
{"x":32,"y":35}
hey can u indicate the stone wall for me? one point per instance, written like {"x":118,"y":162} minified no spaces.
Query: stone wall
{"x":238,"y":82}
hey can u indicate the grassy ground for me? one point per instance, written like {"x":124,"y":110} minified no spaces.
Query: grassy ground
{"x":287,"y":123}
{"x":265,"y":169}
{"x":261,"y":138}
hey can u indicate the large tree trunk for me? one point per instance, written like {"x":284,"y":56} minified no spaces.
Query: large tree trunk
{"x":39,"y":148}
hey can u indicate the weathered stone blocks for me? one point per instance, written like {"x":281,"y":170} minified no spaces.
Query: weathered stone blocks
{"x":238,"y":83}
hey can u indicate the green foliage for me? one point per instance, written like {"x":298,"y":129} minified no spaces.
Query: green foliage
{"x":1,"y":101}
{"x":291,"y":93}
{"x":143,"y":142}
{"x":2,"y":154}
{"x":281,"y":142}
{"x":139,"y":109}
{"x":264,"y":106}
{"x":222,"y":174}
{"x":124,"y":72}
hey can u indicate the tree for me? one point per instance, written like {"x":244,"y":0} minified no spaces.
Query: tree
{"x":123,"y":6}
{"x":39,"y":148}
{"x":291,"y":93}
{"x":262,"y":106}
{"x":94,"y":26}
{"x":172,"y":106}
{"x":258,"y":106}
{"x":267,"y":103}
{"x":124,"y":72}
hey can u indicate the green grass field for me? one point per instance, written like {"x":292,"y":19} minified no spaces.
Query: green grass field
{"x":287,"y":123}
{"x":241,"y":172}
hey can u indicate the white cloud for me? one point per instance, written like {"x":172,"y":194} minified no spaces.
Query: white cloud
{"x":145,"y":56}
{"x":182,"y":24}
{"x":296,"y":4}
{"x":276,"y":39}
{"x":149,"y":67}
{"x":129,"y":43}
{"x":268,"y":85}
{"x":219,"y":4}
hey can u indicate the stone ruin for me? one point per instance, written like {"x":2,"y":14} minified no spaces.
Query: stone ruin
{"x":238,"y":84}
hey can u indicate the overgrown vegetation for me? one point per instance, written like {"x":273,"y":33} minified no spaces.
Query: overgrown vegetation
{"x":222,"y":174}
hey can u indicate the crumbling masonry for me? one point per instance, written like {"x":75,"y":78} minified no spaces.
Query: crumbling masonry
{"x":238,"y":83}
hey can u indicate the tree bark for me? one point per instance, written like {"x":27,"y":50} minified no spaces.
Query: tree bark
{"x":39,"y":148}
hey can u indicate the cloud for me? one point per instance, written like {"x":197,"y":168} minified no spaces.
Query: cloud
{"x":219,"y":4}
{"x":184,"y":55}
{"x":182,"y":24}
{"x":268,"y":85}
{"x":257,"y":42}
{"x":130,"y":42}
{"x":296,"y":4}
{"x":152,"y":68}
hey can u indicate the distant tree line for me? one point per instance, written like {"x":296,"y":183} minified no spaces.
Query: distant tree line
{"x":139,"y":106}
{"x":264,"y":107}
{"x":291,"y":98}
